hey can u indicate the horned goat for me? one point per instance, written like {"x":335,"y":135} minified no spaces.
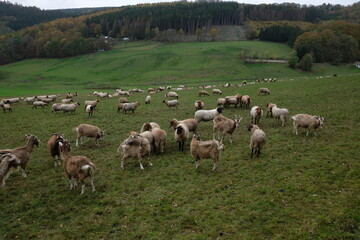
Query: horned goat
{"x":205,"y":149}
{"x":307,"y":121}
{"x":53,"y":146}
{"x":225,"y":126}
{"x":23,"y":153}
{"x":77,"y":167}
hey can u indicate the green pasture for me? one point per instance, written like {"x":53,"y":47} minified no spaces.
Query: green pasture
{"x":300,"y":187}
{"x":143,"y":64}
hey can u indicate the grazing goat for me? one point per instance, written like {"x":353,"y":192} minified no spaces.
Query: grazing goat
{"x":191,"y":124}
{"x":256,"y":113}
{"x":280,"y":114}
{"x":199,"y":105}
{"x":264,"y":90}
{"x":148,"y":99}
{"x":7,"y":163}
{"x":221,"y":102}
{"x":207,"y":115}
{"x":23,"y":153}
{"x":208,"y":149}
{"x":307,"y":121}
{"x":53,"y":146}
{"x":257,"y":140}
{"x":181,"y":135}
{"x":269,"y":107}
{"x":87,"y":130}
{"x":71,"y":95}
{"x":203,"y":93}
{"x":225,"y":126}
{"x":135,"y":146}
{"x":171,"y":103}
{"x":130,"y":107}
{"x":77,"y":167}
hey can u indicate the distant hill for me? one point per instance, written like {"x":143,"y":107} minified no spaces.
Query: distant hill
{"x":14,"y":17}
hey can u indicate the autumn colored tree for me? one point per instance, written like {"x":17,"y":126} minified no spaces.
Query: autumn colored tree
{"x":213,"y":34}
{"x":306,"y":62}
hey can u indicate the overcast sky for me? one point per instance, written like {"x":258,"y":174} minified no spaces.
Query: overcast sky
{"x":58,"y":4}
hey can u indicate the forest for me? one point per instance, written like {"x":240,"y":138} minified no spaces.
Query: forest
{"x":330,"y":33}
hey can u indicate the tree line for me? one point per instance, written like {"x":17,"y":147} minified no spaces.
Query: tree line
{"x":171,"y":21}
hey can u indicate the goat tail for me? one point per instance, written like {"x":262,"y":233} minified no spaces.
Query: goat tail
{"x":88,"y":168}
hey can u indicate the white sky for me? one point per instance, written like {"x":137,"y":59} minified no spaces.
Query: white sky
{"x":58,"y":4}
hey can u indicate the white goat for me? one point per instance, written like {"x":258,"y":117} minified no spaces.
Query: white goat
{"x":130,"y":107}
{"x":87,"y":130}
{"x":280,"y":114}
{"x":207,"y":115}
{"x":307,"y":121}
{"x":264,"y":90}
{"x":71,"y":107}
{"x":225,"y":126}
{"x":6,"y":107}
{"x":257,"y":139}
{"x":39,"y":104}
{"x":172,"y":95}
{"x":216,"y":91}
{"x":148,"y":99}
{"x":208,"y":149}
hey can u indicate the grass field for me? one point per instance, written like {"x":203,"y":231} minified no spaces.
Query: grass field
{"x":141,"y":64}
{"x":300,"y":187}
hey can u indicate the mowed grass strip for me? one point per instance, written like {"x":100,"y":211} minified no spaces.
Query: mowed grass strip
{"x":300,"y":187}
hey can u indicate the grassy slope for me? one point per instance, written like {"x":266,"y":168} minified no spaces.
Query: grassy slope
{"x":300,"y":188}
{"x":145,"y":63}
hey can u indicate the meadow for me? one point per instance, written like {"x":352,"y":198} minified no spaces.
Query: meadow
{"x":299,"y":188}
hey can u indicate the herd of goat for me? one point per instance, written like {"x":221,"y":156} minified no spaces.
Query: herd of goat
{"x":151,"y":137}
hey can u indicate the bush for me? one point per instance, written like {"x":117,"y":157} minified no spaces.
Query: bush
{"x":306,"y":62}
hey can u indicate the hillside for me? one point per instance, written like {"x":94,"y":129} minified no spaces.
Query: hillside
{"x":144,"y":63}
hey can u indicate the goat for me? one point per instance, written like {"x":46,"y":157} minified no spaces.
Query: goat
{"x":257,"y":139}
{"x":135,"y":146}
{"x":269,"y":107}
{"x":307,"y":121}
{"x":172,"y":95}
{"x":53,"y":146}
{"x":203,"y":93}
{"x":225,"y":125}
{"x":208,"y":149}
{"x":235,"y":100}
{"x":245,"y":100}
{"x":216,"y":91}
{"x":71,"y":107}
{"x":147,"y":99}
{"x":87,"y":130}
{"x":91,"y":103}
{"x":6,"y":107}
{"x":39,"y":103}
{"x":280,"y":114}
{"x":7,"y":163}
{"x":23,"y":153}
{"x":77,"y":167}
{"x":207,"y":115}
